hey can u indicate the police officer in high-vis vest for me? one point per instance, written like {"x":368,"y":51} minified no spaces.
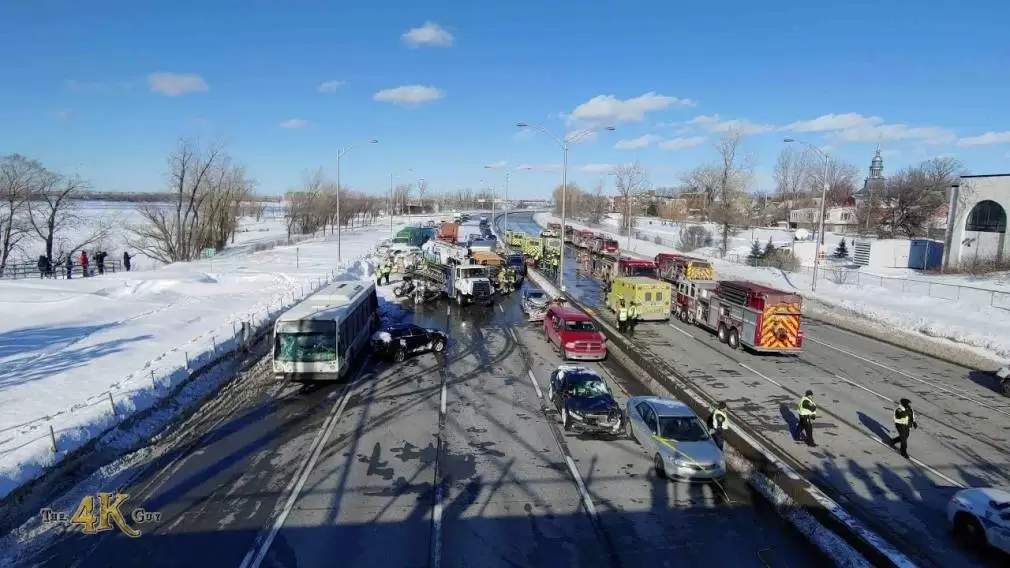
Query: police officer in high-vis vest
{"x":622,"y":317}
{"x":808,"y":412}
{"x":904,"y":417}
{"x":718,"y":423}
{"x":632,"y":318}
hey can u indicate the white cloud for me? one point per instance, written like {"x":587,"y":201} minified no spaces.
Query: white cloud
{"x":637,"y":143}
{"x":175,"y":84}
{"x":742,"y":126}
{"x":497,"y":165}
{"x":927,"y":134}
{"x":597,"y":168}
{"x":408,"y":95}
{"x":612,"y":110}
{"x":705,"y":119}
{"x":986,"y":139}
{"x":681,"y":143}
{"x":428,"y":34}
{"x":829,"y":122}
{"x":330,"y":86}
{"x":294,"y":123}
{"x":65,"y":114}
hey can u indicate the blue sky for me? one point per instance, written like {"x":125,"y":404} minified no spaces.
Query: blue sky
{"x":108,"y":87}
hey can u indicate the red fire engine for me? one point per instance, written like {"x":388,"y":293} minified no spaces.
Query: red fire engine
{"x":743,"y":313}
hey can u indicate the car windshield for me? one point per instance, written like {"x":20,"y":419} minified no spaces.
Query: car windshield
{"x":589,"y":387}
{"x":682,"y":429}
{"x":307,"y":347}
{"x":535,"y":295}
{"x":579,"y":326}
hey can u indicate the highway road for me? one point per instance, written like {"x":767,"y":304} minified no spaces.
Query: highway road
{"x":963,"y":439}
{"x":442,"y":461}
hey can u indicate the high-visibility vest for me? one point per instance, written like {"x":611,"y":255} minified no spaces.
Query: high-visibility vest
{"x":718,"y":416}
{"x":622,"y":314}
{"x":803,"y":411}
{"x":902,"y":421}
{"x":633,"y":312}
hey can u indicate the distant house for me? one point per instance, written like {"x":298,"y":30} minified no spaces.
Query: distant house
{"x":836,"y":219}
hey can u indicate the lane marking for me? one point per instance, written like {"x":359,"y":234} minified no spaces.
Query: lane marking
{"x":873,"y":438}
{"x":681,"y":330}
{"x":536,"y":385}
{"x":871,"y":391}
{"x":255,"y":556}
{"x":436,"y":527}
{"x":501,"y":308}
{"x":769,"y":379}
{"x":448,"y":310}
{"x":515,"y":336}
{"x":442,"y":400}
{"x":914,"y":378}
{"x":587,"y":501}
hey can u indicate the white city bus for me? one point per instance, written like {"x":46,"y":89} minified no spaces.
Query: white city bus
{"x":319,"y":338}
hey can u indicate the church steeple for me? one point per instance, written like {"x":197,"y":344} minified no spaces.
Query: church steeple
{"x":877,"y":165}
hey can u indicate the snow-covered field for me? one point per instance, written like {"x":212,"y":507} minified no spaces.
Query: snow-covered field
{"x":65,"y":346}
{"x":978,"y":319}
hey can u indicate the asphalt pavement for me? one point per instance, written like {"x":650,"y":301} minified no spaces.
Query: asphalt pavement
{"x":446,"y":460}
{"x":963,"y":438}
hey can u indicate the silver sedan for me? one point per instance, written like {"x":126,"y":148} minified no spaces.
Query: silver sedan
{"x":678,"y":440}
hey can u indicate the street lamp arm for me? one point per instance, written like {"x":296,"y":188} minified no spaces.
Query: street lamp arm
{"x":560,"y":142}
{"x":346,"y":149}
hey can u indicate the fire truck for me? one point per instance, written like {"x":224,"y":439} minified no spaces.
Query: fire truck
{"x":581,"y":238}
{"x":760,"y":318}
{"x":604,"y":245}
{"x":674,"y":267}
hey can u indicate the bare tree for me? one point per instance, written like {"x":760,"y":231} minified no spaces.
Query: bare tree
{"x":842,"y":178}
{"x":792,"y":169}
{"x":55,"y":208}
{"x":204,"y":184}
{"x":19,"y":179}
{"x":599,"y":203}
{"x":630,"y":180}
{"x":726,"y":182}
{"x":914,"y":195}
{"x":422,"y":190}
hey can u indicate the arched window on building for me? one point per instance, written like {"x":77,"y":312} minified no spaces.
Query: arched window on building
{"x":986,"y":217}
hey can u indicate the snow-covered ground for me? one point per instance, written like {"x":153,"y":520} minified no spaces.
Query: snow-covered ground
{"x":65,"y":346}
{"x":978,"y":319}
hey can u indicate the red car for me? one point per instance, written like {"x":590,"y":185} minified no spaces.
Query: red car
{"x":574,"y":334}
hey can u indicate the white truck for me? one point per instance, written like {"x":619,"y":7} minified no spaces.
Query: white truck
{"x":441,"y":252}
{"x":464,"y":283}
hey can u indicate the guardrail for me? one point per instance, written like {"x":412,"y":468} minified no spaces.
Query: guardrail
{"x":844,"y":276}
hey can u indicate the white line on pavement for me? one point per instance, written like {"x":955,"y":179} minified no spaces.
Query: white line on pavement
{"x":515,"y":335}
{"x":536,"y":385}
{"x":871,"y":391}
{"x":441,"y":404}
{"x":914,"y":378}
{"x":586,"y":499}
{"x":501,"y":308}
{"x":769,"y":379}
{"x":436,"y":527}
{"x":255,"y":556}
{"x":920,"y":464}
{"x":681,"y":330}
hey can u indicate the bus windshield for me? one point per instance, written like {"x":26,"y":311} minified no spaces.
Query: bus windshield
{"x":306,"y":347}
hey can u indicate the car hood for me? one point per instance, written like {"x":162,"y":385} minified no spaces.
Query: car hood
{"x":537,"y":301}
{"x":705,"y":452}
{"x":603,"y":403}
{"x":981,"y":496}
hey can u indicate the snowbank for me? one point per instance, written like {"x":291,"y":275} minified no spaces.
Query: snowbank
{"x":72,"y":351}
{"x":970,"y":321}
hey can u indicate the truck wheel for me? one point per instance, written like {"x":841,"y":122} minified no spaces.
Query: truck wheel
{"x":721,"y":333}
{"x":734,"y":339}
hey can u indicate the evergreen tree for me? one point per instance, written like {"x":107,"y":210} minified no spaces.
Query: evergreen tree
{"x":769,"y":249}
{"x":652,"y":210}
{"x":842,"y":251}
{"x":754,"y":258}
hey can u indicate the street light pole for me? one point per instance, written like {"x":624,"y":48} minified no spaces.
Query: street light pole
{"x":564,"y":143}
{"x":506,"y":204}
{"x":340,"y":155}
{"x":824,"y":198}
